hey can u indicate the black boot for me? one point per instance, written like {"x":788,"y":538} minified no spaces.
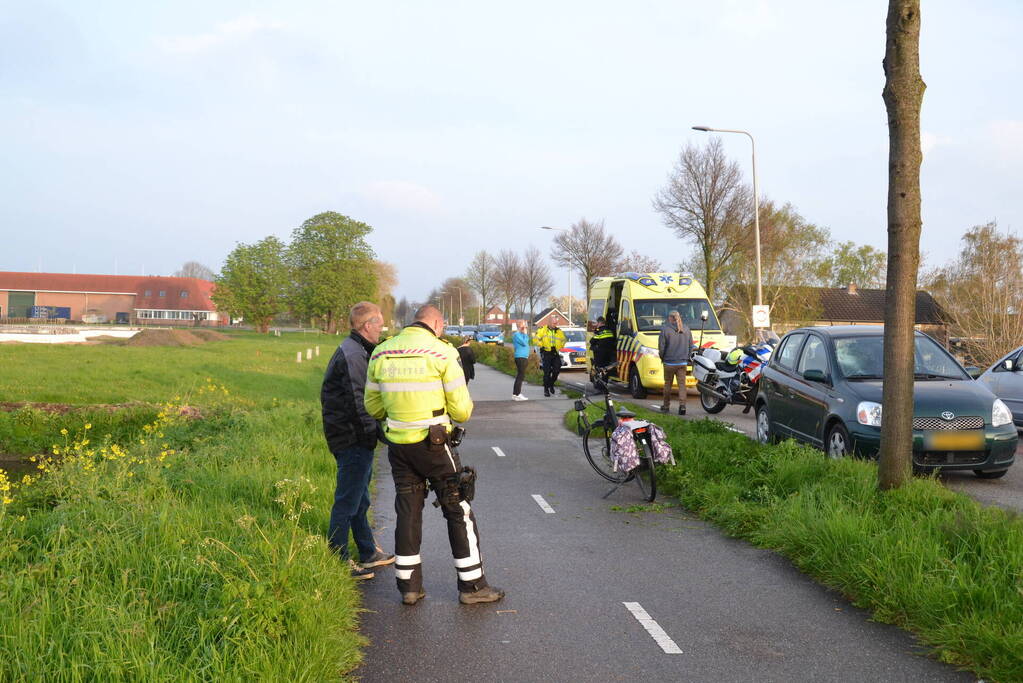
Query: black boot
{"x":486,"y":594}
{"x":412,"y":597}
{"x":682,"y":409}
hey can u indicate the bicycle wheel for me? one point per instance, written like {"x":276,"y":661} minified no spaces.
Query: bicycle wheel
{"x":646,"y":475}
{"x":597,"y":447}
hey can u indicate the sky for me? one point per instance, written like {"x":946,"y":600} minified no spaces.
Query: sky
{"x":137,"y":136}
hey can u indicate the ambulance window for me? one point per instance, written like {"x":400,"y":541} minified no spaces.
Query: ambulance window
{"x":596,"y":310}
{"x":625,"y":319}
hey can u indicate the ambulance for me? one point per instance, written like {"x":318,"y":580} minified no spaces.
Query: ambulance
{"x":635,"y":306}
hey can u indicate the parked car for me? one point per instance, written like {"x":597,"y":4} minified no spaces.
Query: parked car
{"x":468,"y":331}
{"x":823,"y":387}
{"x":1005,"y":380}
{"x":490,"y":334}
{"x":452,"y":331}
{"x":573,"y":354}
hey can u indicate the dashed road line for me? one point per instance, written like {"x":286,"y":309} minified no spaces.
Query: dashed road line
{"x":544,"y":505}
{"x":653,"y":628}
{"x":499,"y":452}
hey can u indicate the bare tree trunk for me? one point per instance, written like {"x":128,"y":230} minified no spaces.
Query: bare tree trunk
{"x":903,"y":95}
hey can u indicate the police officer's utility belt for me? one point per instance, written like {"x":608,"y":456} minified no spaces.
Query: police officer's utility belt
{"x":418,"y":424}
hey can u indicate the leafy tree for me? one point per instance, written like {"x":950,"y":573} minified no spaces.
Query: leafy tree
{"x":791,"y":250}
{"x":480,"y":277}
{"x":848,"y":263}
{"x":981,"y":292}
{"x":196,"y":270}
{"x":903,"y":94}
{"x":332,"y":268}
{"x":706,"y":202}
{"x":253,"y":282}
{"x":588,"y":249}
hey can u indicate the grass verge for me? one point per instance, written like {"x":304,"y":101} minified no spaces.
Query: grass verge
{"x":922,"y":557}
{"x":181,"y":538}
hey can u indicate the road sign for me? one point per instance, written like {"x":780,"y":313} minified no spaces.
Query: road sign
{"x":761,"y":316}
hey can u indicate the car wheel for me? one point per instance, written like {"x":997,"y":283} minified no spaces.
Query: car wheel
{"x":636,"y":387}
{"x":764,"y":432}
{"x":837,"y":444}
{"x":990,"y":474}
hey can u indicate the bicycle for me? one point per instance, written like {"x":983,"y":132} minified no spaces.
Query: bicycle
{"x":597,"y":440}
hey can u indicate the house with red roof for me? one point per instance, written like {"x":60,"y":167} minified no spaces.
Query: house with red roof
{"x":125,"y":299}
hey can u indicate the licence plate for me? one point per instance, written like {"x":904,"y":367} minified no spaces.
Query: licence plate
{"x":972,"y":440}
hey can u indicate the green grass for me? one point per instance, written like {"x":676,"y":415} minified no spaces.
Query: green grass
{"x":922,"y":557}
{"x":199,"y":555}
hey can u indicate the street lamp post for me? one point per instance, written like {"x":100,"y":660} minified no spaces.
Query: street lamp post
{"x":756,"y":200}
{"x":547,"y":227}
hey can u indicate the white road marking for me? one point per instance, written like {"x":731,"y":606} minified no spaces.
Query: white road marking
{"x":653,"y":628}
{"x":499,"y":452}
{"x":544,"y":505}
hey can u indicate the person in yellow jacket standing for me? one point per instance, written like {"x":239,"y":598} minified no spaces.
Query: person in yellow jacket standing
{"x":416,"y":386}
{"x":550,"y":340}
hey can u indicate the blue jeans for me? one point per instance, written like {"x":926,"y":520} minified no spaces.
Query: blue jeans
{"x":351,"y":502}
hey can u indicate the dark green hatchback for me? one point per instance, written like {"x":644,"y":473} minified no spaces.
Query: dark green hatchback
{"x":823,"y":386}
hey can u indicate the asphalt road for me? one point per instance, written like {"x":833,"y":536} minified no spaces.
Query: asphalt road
{"x":1006,"y":492}
{"x":597,"y":592}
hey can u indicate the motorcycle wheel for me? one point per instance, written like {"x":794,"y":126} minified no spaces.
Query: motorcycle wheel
{"x":711,"y":404}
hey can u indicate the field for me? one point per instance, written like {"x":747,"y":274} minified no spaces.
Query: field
{"x":166,"y":520}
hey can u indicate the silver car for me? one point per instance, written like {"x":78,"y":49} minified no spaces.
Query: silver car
{"x":1005,"y":380}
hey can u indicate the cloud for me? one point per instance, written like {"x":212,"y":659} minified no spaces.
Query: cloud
{"x":402,"y":196}
{"x":233,"y":31}
{"x":748,"y":19}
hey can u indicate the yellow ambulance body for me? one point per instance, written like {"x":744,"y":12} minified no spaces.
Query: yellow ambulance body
{"x":635,"y":306}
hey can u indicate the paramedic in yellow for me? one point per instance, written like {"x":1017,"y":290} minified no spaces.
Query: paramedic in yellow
{"x":416,"y":386}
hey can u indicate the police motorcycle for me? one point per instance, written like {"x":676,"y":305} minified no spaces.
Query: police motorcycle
{"x":732,"y":380}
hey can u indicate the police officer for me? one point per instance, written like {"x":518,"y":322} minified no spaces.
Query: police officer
{"x":550,"y":340}
{"x":602,"y":343}
{"x":415,"y":384}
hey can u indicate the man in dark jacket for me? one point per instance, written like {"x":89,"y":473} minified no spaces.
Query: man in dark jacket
{"x":352,"y":436}
{"x":675,"y":345}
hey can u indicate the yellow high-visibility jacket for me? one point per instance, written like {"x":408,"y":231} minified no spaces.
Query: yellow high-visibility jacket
{"x":414,"y":381}
{"x":549,"y":340}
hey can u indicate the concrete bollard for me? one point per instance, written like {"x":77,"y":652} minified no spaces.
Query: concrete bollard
{"x":317,"y":351}
{"x":298,"y":357}
{"x":308,"y":354}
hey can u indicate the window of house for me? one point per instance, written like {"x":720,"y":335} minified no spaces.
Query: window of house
{"x":163,"y":292}
{"x":149,"y":292}
{"x":183,"y":294}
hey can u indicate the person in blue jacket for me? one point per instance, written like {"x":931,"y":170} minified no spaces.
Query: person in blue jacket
{"x":520,"y":343}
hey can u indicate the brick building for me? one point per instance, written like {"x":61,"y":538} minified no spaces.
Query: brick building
{"x":108,"y":298}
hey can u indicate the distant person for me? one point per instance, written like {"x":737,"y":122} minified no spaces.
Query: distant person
{"x":351,"y":437}
{"x":467,"y":358}
{"x":602,"y":344}
{"x":520,"y":345}
{"x":414,"y":385}
{"x":550,"y":340}
{"x":674,"y":346}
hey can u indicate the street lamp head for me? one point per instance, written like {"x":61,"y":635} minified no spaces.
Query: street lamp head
{"x":705,"y":129}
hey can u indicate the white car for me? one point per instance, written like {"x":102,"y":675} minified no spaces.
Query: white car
{"x":573,"y":355}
